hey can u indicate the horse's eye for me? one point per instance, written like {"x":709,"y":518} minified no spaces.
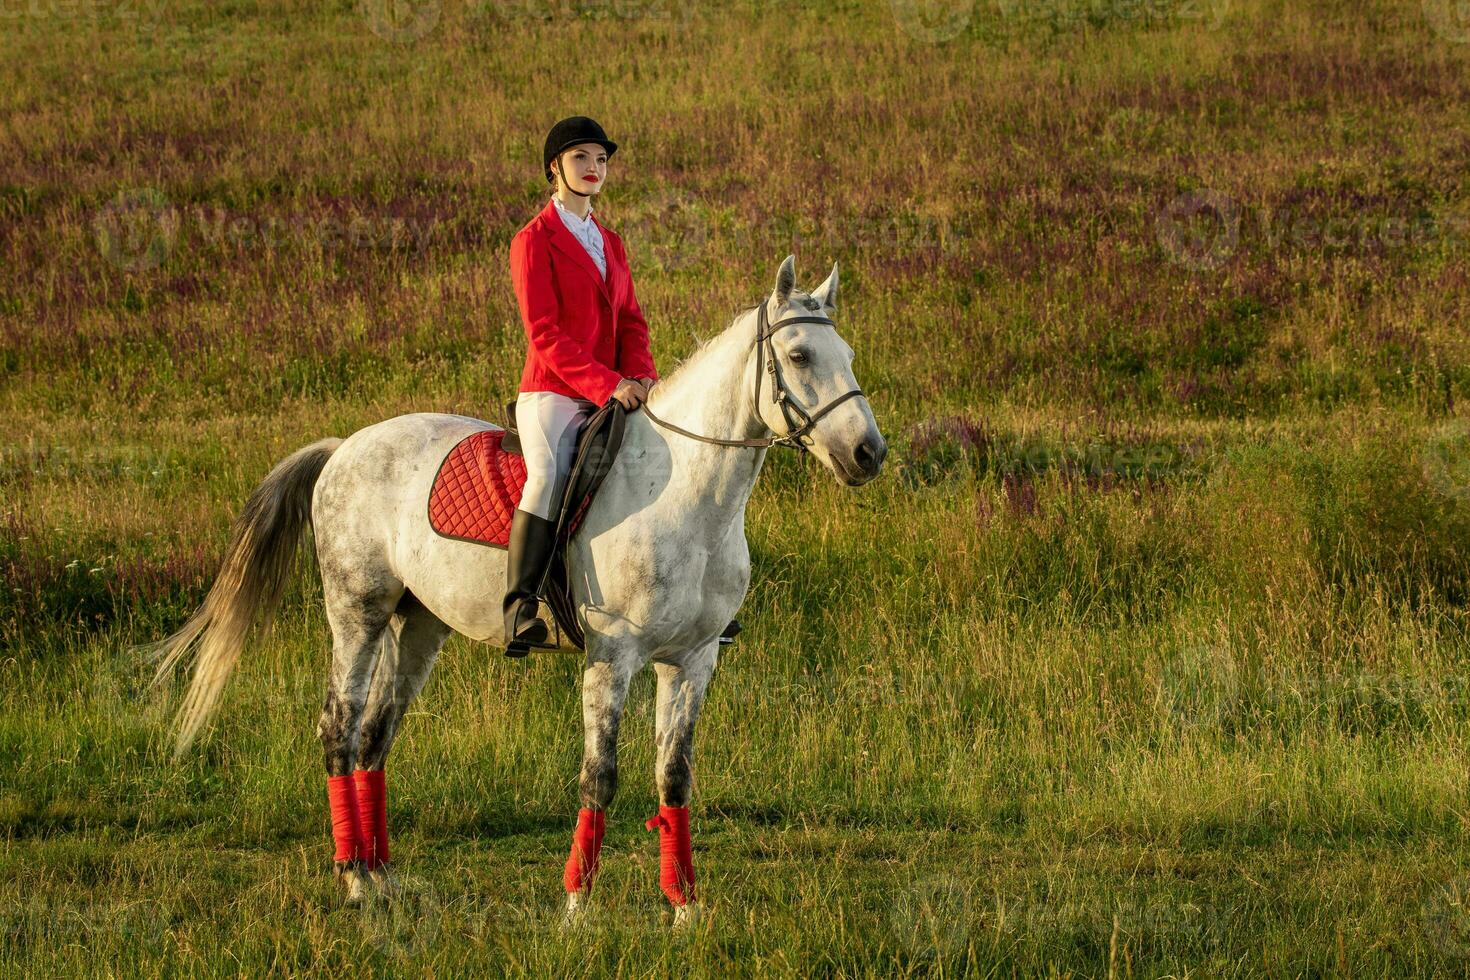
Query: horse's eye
{"x":798,"y":357}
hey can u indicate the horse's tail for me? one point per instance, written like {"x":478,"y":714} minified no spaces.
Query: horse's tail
{"x":248,"y":588}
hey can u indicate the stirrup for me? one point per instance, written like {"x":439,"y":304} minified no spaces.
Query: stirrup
{"x":519,"y":647}
{"x":522,"y":643}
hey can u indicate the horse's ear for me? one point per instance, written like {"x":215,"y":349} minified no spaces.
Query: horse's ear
{"x":826,"y":293}
{"x":785,"y":282}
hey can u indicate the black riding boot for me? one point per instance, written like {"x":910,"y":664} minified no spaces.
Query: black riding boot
{"x":529,"y":555}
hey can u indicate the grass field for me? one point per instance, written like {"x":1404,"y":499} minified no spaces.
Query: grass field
{"x":1148,"y":655}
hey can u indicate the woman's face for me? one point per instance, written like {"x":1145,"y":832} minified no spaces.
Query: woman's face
{"x":584,"y":167}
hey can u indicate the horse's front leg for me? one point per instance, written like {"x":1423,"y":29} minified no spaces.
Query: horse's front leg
{"x":681,"y":688}
{"x":604,"y":691}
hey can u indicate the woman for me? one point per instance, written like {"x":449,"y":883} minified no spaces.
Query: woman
{"x":588,"y":343}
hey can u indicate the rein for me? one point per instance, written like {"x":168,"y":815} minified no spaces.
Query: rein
{"x":766,"y":353}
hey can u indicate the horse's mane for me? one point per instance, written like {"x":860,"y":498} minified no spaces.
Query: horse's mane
{"x":703,"y":345}
{"x":804,"y":298}
{"x":695,"y":355}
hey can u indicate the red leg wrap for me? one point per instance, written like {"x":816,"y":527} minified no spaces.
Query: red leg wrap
{"x":586,"y":847}
{"x":372,"y":804}
{"x":676,"y":865}
{"x":346,"y":828}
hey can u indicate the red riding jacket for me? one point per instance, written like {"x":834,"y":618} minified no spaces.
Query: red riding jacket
{"x":586,"y":334}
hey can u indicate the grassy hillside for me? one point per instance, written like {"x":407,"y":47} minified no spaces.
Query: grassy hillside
{"x":1148,"y":654}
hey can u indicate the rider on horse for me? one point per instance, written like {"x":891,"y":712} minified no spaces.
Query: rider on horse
{"x":588,"y":342}
{"x":583,"y":349}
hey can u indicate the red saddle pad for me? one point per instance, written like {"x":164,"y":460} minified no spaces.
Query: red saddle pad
{"x":477,"y":489}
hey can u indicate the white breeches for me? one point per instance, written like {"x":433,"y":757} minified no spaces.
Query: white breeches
{"x":548,"y":423}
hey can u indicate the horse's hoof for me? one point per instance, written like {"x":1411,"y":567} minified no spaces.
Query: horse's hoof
{"x":355,"y":880}
{"x":385,"y":882}
{"x":687,"y":915}
{"x":575,"y":912}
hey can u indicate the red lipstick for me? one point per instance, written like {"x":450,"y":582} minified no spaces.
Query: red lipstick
{"x":592,"y":178}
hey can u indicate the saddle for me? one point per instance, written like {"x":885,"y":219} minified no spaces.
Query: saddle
{"x":479,"y":483}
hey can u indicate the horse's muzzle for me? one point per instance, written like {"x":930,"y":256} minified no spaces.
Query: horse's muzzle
{"x":863,"y":462}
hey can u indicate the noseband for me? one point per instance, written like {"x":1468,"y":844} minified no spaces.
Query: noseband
{"x":780,"y":394}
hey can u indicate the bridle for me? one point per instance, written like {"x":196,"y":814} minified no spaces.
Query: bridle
{"x":765,"y":363}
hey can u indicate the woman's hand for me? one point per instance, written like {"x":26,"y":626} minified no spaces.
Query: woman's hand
{"x":630,"y":393}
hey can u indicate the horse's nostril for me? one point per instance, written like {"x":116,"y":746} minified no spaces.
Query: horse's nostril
{"x":869,"y":456}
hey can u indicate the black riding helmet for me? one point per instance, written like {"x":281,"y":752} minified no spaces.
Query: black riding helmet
{"x":569,"y":132}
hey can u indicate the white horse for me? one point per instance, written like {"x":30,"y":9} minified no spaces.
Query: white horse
{"x":659,"y":564}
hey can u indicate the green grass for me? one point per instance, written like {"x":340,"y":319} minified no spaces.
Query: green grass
{"x":1149,"y":655}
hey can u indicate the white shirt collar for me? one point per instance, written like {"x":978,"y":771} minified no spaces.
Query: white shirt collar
{"x":569,"y":213}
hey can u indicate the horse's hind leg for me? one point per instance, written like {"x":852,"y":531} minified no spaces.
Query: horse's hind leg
{"x":357,"y":622}
{"x":410,"y":646}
